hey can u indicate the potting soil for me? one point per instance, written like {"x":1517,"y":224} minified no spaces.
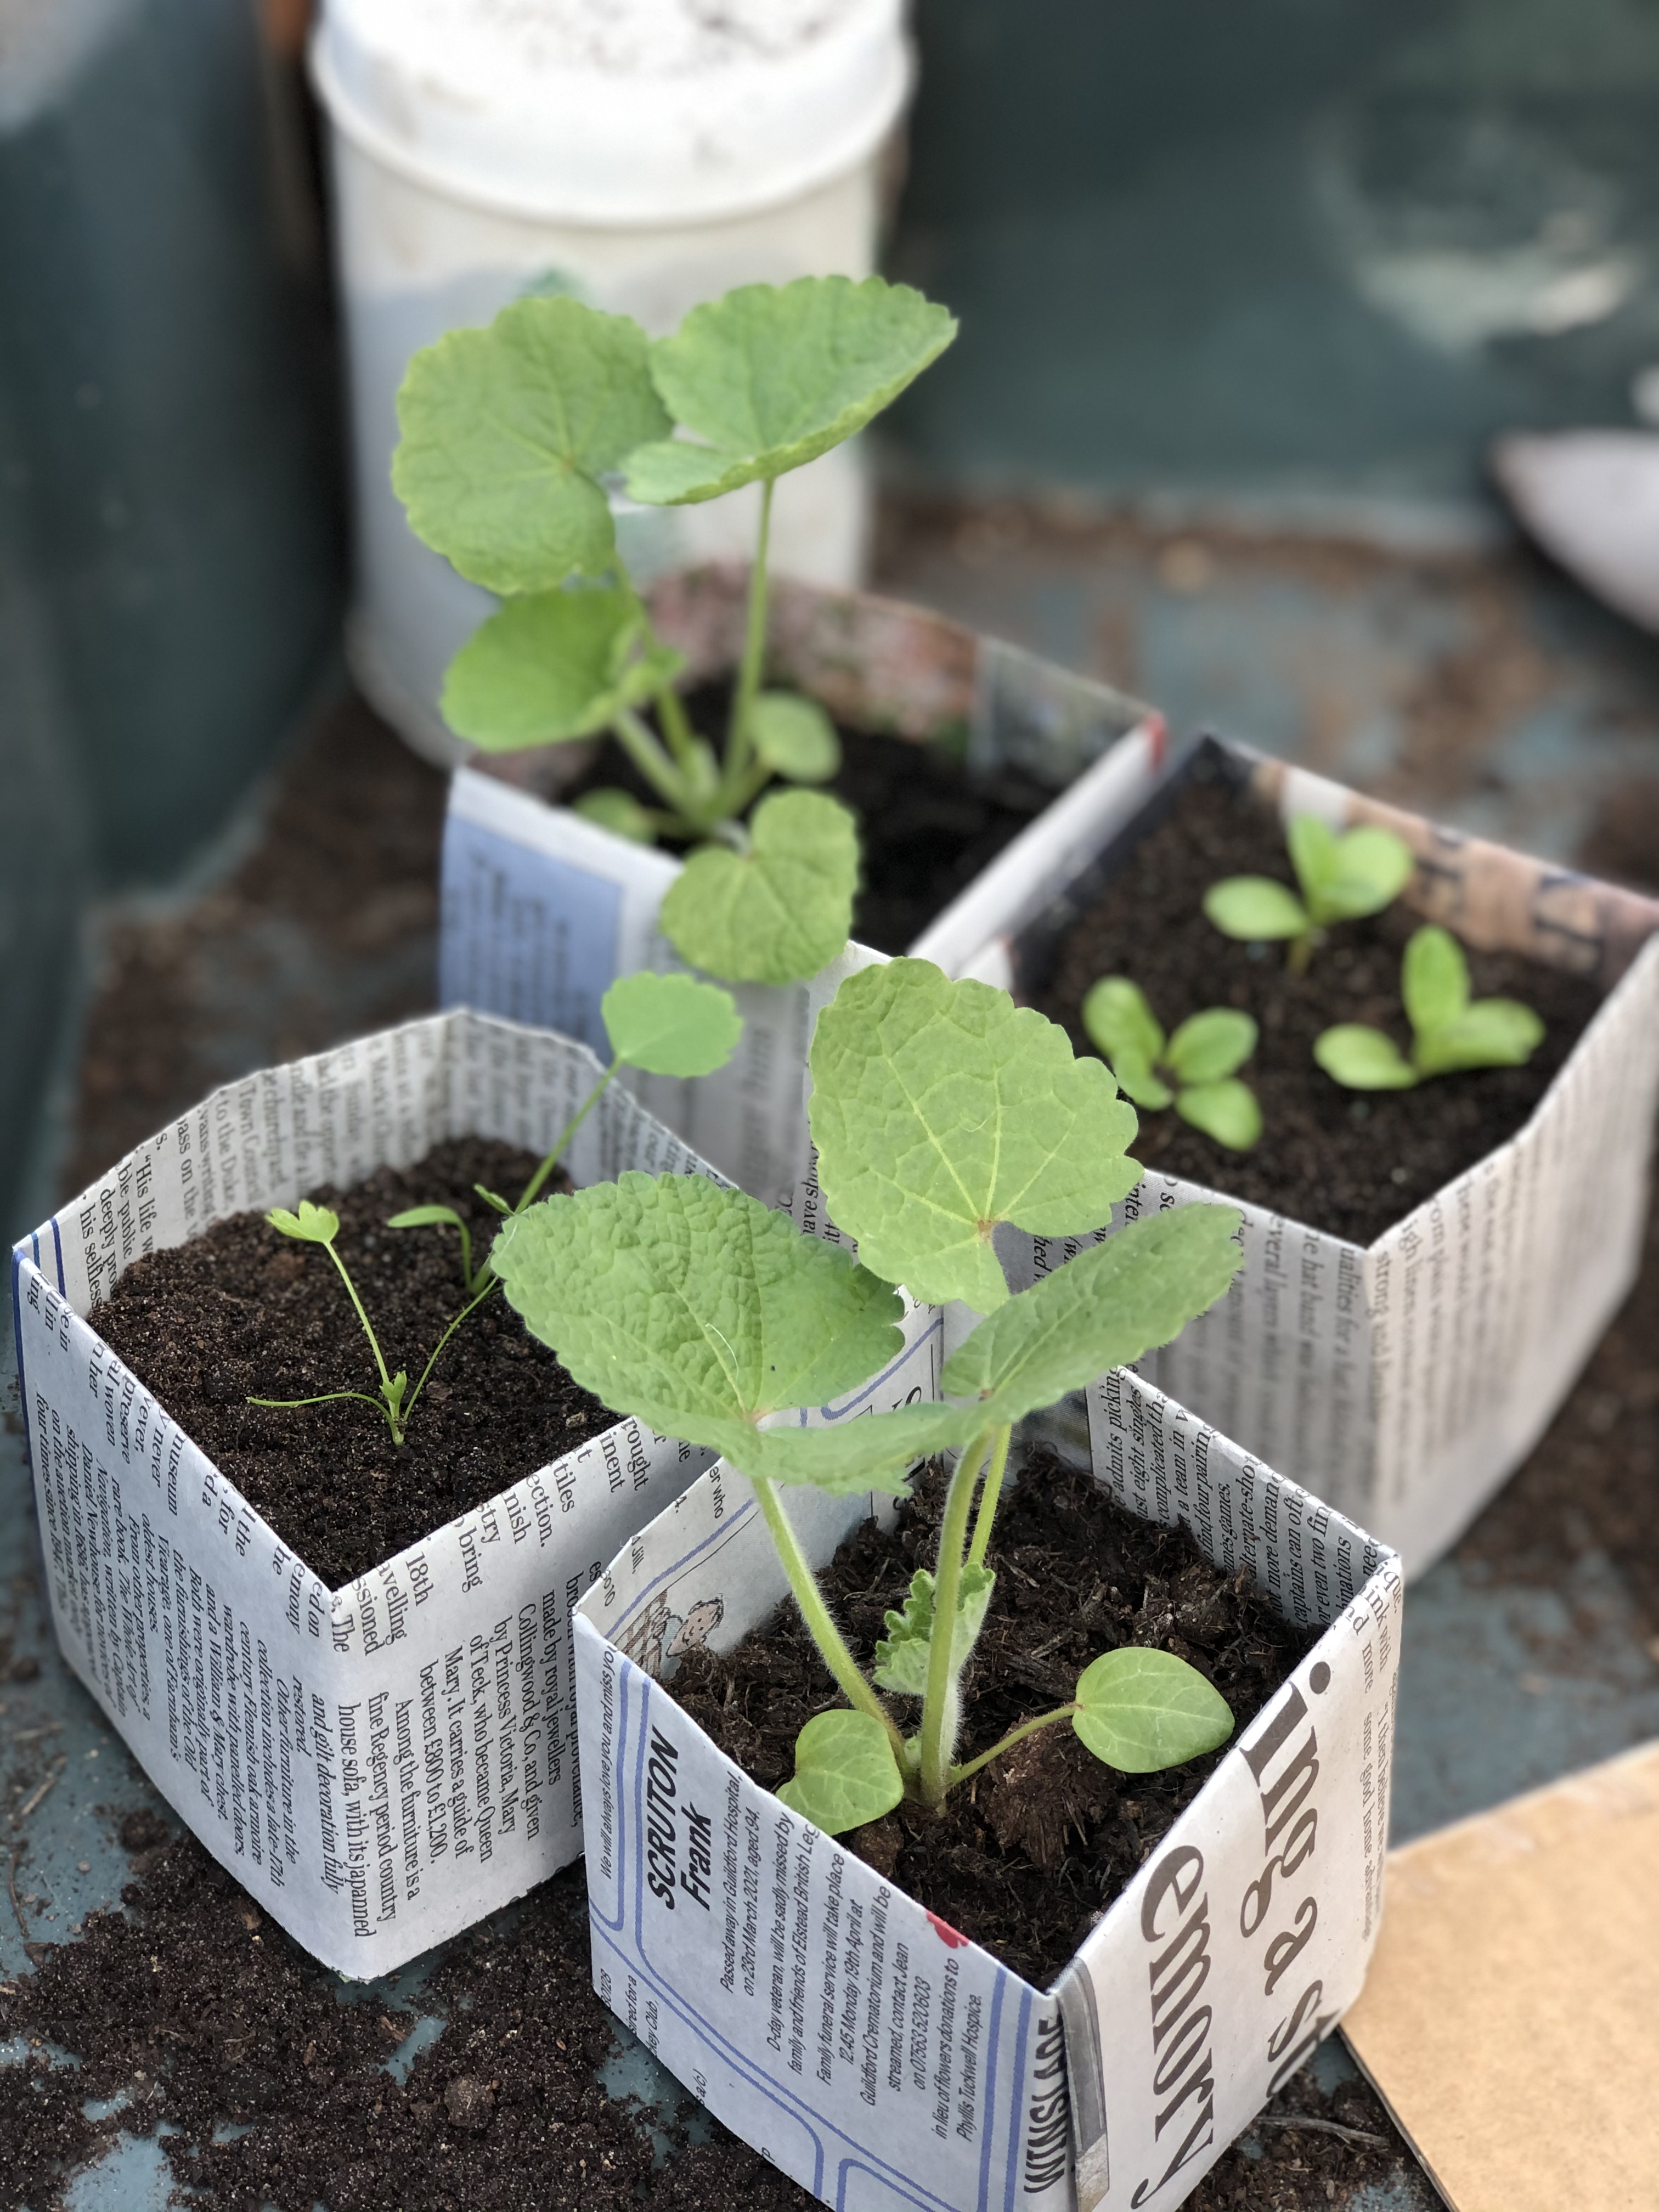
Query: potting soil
{"x":244,"y":1311}
{"x":1026,"y":1858}
{"x":1347,"y":1162}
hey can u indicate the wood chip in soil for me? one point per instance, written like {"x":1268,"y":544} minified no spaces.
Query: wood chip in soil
{"x":1027,"y":1859}
{"x":245,"y":1311}
{"x":1348,"y":1163}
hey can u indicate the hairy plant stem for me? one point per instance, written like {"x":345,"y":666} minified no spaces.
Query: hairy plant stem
{"x":1014,"y":1735}
{"x":934,"y":1776}
{"x":989,"y":1495}
{"x":739,"y":743}
{"x":658,"y":769}
{"x":820,"y":1622}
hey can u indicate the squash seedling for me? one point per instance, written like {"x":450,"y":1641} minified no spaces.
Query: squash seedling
{"x":1450,"y":1032}
{"x":1200,"y":1061}
{"x":511,"y":437}
{"x":660,"y":1024}
{"x":940,"y":1111}
{"x":1341,"y":877}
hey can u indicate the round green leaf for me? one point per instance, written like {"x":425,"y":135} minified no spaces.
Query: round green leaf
{"x":1371,"y":867}
{"x":779,"y":912}
{"x":1117,"y":1019}
{"x":1227,"y":1111}
{"x":845,"y":1773}
{"x":312,"y":1225}
{"x":1210,"y":1045}
{"x":670,"y":1024}
{"x":1434,"y":981}
{"x":1143,"y":1711}
{"x":941,"y":1109}
{"x":1494,"y":1033}
{"x":1362,"y":1059}
{"x":795,"y":736}
{"x":505,"y":430}
{"x":619,"y":813}
{"x":554,"y":666}
{"x":770,"y":376}
{"x":1136,"y":1079}
{"x":1255,"y":909}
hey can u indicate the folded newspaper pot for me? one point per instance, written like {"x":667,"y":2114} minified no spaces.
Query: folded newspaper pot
{"x":383,"y":1764}
{"x":864,"y":2045}
{"x":542,"y":910}
{"x":1403,"y":1381}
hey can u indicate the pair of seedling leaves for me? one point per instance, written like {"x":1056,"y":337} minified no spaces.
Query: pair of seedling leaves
{"x":940,"y":1111}
{"x":511,"y":438}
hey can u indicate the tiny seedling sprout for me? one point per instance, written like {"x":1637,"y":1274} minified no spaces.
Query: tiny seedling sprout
{"x":939,"y":1111}
{"x":1450,"y":1032}
{"x":1341,"y":877}
{"x":661,"y":1024}
{"x":512,"y":437}
{"x":1200,"y":1061}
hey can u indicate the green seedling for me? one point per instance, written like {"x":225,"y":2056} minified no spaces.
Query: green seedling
{"x":1450,"y":1032}
{"x":660,"y":1024}
{"x":513,"y":437}
{"x":1199,"y":1060}
{"x":1341,"y":879}
{"x":940,"y":1111}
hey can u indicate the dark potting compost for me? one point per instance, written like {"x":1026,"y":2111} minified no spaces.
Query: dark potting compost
{"x":1347,"y":1162}
{"x":926,"y":825}
{"x":244,"y":1311}
{"x":1027,"y":1857}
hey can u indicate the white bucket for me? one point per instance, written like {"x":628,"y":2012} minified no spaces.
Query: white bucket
{"x":482,"y":149}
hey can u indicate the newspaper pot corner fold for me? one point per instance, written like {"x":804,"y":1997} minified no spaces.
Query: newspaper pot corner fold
{"x":869,"y":2050}
{"x":1406,"y":1380}
{"x":541,"y":909}
{"x":383,"y":1764}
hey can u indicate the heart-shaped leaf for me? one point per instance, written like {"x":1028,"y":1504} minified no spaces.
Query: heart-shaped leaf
{"x":506,"y":430}
{"x":1141,"y":1710}
{"x":1361,"y":1058}
{"x":554,"y":666}
{"x":794,"y":736}
{"x":901,"y":1654}
{"x":1117,"y":1019}
{"x":771,"y":376}
{"x":845,"y":1773}
{"x":1228,"y":1111}
{"x":670,"y":1024}
{"x":779,"y":912}
{"x":312,"y":1225}
{"x":940,"y":1110}
{"x":1255,"y":908}
{"x":1211,"y":1045}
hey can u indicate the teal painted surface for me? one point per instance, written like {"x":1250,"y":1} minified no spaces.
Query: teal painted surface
{"x":1280,"y":250}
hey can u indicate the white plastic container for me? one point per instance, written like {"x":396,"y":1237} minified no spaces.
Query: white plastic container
{"x":632,"y":156}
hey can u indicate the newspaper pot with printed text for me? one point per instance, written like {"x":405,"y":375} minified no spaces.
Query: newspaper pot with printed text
{"x":871,"y":2051}
{"x":383,"y":1764}
{"x":1405,"y":1380}
{"x":543,"y":910}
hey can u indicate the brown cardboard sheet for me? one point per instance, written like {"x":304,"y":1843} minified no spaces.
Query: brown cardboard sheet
{"x":1511,"y":2019}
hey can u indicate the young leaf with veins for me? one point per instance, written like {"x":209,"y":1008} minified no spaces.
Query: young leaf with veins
{"x":1342,"y":877}
{"x":1450,"y":1032}
{"x":512,"y":437}
{"x":1199,"y":1061}
{"x":938,"y":1110}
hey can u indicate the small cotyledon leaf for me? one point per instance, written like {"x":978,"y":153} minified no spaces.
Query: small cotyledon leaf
{"x":845,"y":1773}
{"x":1141,"y":1710}
{"x":941,"y":1109}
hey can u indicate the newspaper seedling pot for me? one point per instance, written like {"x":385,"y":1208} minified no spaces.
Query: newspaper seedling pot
{"x":1406,"y":1380}
{"x":383,"y":1764}
{"x":866,"y":2048}
{"x":541,"y":909}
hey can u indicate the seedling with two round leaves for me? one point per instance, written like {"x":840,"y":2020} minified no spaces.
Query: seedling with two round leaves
{"x":939,"y":1111}
{"x":512,"y":438}
{"x":1450,"y":1032}
{"x":1200,"y":1061}
{"x":1342,"y":877}
{"x":660,"y":1024}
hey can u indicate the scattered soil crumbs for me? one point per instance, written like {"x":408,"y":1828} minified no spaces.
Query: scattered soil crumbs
{"x":927,"y":827}
{"x":244,"y":1310}
{"x":1026,"y":1858}
{"x":1347,"y":1162}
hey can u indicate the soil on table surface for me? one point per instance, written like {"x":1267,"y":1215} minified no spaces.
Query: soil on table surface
{"x":926,"y":827}
{"x":1027,"y":1857}
{"x":1349,"y":1163}
{"x":245,"y":1311}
